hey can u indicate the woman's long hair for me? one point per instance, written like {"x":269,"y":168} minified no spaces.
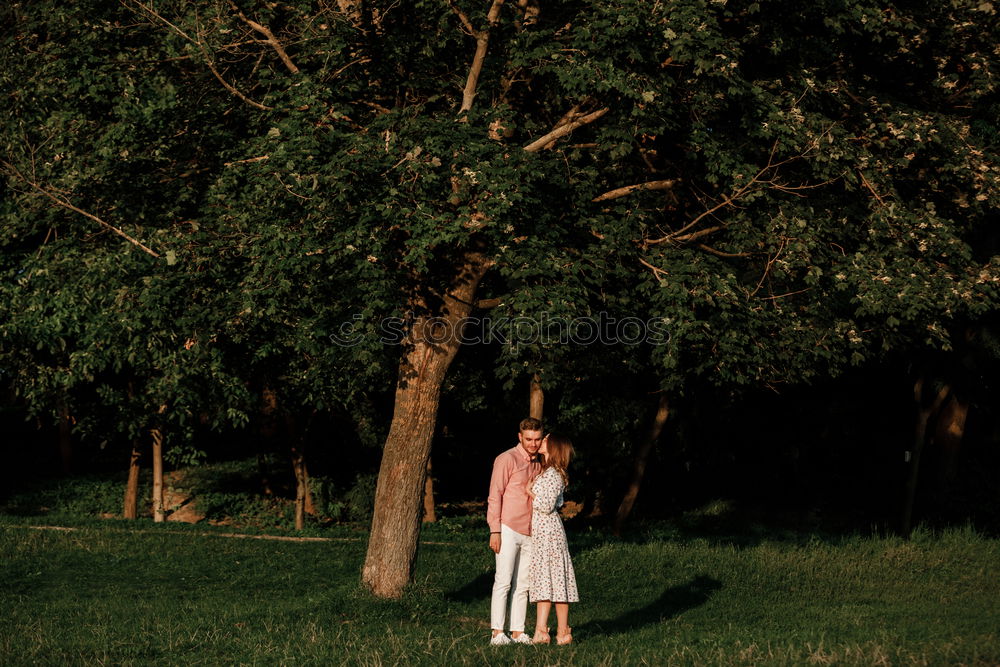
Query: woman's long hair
{"x":560,"y":451}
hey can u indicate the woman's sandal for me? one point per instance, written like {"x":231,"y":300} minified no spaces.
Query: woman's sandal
{"x":541,"y":637}
{"x":567,"y":638}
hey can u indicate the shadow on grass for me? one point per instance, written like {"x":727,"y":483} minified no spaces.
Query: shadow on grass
{"x":479,"y":588}
{"x":672,"y":602}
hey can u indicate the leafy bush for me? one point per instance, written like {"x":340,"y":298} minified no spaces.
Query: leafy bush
{"x":84,"y":495}
{"x":328,"y":503}
{"x":361,"y":498}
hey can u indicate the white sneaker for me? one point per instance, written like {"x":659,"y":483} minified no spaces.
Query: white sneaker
{"x":500,"y":640}
{"x":522,"y":638}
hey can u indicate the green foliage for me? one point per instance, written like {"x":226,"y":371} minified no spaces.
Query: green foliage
{"x":78,"y":496}
{"x":360,"y":498}
{"x":353,"y":504}
{"x":326,"y":499}
{"x":834,"y":170}
{"x":246,"y":510}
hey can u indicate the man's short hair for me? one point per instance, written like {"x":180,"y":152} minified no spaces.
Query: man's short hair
{"x":531,"y":424}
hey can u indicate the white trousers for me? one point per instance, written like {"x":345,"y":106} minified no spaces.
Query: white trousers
{"x":512,"y":569}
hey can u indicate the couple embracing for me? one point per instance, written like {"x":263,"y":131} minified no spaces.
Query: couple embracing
{"x":527,"y":536}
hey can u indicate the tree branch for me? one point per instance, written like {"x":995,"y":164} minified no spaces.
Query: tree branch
{"x":782,"y":296}
{"x":726,"y":201}
{"x":656,"y":270}
{"x":698,"y":234}
{"x":566,"y":119}
{"x":201,"y":47}
{"x":149,"y":10}
{"x":482,"y":42}
{"x":563,"y":130}
{"x":271,"y":39}
{"x":870,"y":188}
{"x":359,"y":61}
{"x":720,"y":253}
{"x":226,"y":84}
{"x":65,"y":204}
{"x":486,"y":304}
{"x":770,"y":263}
{"x":260,"y":158}
{"x":466,"y":23}
{"x":629,"y":189}
{"x":756,"y":183}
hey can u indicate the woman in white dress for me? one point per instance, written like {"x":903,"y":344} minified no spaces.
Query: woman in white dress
{"x":553,"y":582}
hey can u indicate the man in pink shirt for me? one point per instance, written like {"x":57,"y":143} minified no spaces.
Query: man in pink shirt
{"x":509,"y":514}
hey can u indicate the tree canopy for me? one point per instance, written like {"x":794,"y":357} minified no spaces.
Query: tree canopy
{"x":199,"y":194}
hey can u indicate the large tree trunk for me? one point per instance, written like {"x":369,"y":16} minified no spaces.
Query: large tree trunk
{"x":924,"y":414}
{"x":395,"y":531}
{"x":159,"y":513}
{"x":639,"y":464}
{"x":131,"y":509}
{"x":536,"y":397}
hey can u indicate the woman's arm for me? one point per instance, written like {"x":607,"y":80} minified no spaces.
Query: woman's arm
{"x":547,"y":489}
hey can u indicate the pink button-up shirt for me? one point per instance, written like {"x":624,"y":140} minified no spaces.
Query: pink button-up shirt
{"x":508,"y":502}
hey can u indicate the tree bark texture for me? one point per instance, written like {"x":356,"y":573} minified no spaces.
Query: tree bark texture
{"x":536,"y":397}
{"x":159,"y":513}
{"x":131,"y":505}
{"x":639,"y":464}
{"x":395,"y":530}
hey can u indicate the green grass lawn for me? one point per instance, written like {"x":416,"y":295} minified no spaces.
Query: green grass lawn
{"x":138,"y":593}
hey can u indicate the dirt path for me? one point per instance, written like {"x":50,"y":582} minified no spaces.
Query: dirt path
{"x":277,"y":538}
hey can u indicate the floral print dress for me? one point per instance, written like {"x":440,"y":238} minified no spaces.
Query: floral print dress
{"x":551,"y":570}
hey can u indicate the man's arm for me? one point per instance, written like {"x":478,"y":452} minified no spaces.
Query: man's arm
{"x":502,"y":470}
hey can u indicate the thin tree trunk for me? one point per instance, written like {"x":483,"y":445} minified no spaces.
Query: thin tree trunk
{"x":303,"y":495}
{"x":429,"y":515}
{"x":307,"y":503}
{"x":159,"y":514}
{"x":395,"y":531}
{"x":536,"y":397}
{"x":948,"y":434}
{"x":919,"y":439}
{"x":269,"y":413}
{"x":301,"y":485}
{"x":593,"y":505}
{"x":639,"y":464}
{"x":131,"y":509}
{"x":262,"y":471}
{"x":268,"y":430}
